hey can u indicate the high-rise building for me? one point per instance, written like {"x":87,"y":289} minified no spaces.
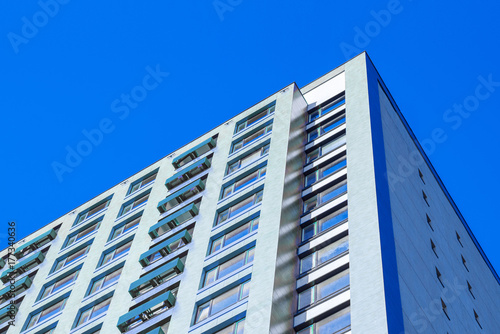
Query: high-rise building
{"x":315,"y":211}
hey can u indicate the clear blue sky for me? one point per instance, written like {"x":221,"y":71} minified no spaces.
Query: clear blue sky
{"x":66,"y":72}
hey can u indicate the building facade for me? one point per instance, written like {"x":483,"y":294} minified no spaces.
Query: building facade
{"x":292,"y":217}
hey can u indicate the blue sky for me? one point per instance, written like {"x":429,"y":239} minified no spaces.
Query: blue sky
{"x":68,"y":72}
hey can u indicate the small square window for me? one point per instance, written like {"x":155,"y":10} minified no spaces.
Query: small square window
{"x":445,"y":309}
{"x":421,"y":176}
{"x":429,"y":221}
{"x":477,"y":319}
{"x":464,"y":263}
{"x":424,"y":195}
{"x":433,"y":246}
{"x":459,"y":239}
{"x":470,"y":289}
{"x":439,"y":276}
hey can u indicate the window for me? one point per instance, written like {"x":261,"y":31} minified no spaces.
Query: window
{"x":325,"y":196}
{"x":115,"y":253}
{"x":46,"y":313}
{"x":445,"y":309}
{"x":469,"y":287}
{"x":134,"y":204}
{"x":429,"y":221}
{"x":336,"y":323}
{"x":324,"y":171}
{"x":247,"y":160}
{"x":325,"y":149}
{"x":459,"y":239}
{"x":439,"y":276}
{"x":59,"y":284}
{"x":92,"y":312}
{"x":236,"y":328}
{"x":433,"y":247}
{"x":124,"y":228}
{"x":82,"y":234}
{"x":325,"y":109}
{"x":239,"y":207}
{"x":477,"y":318}
{"x":251,"y":120}
{"x":75,"y":256}
{"x":325,"y":223}
{"x":424,"y":195}
{"x":251,"y":138}
{"x":464,"y":263}
{"x":228,"y":267}
{"x":319,"y":131}
{"x":324,"y":254}
{"x":141,"y":183}
{"x":172,"y":247}
{"x":222,"y":301}
{"x":421,"y":176}
{"x":323,"y":289}
{"x":92,"y":211}
{"x":243,"y":182}
{"x":234,"y":235}
{"x":106,"y":280}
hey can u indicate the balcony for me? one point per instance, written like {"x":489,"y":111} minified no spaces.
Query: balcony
{"x":19,"y":287}
{"x":7,"y":312}
{"x":171,"y":221}
{"x":181,"y":196}
{"x":23,"y":266}
{"x":156,"y":278}
{"x":187,"y":174}
{"x":194,"y":153}
{"x":35,"y":244}
{"x":146,"y":311}
{"x":165,"y":247}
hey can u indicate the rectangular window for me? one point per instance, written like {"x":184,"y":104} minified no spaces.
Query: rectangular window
{"x":72,"y":258}
{"x":445,"y":309}
{"x":108,"y":279}
{"x":324,"y":224}
{"x":338,"y":322}
{"x":236,"y":328}
{"x":239,"y":207}
{"x":228,"y":267}
{"x":46,"y":313}
{"x":325,"y":171}
{"x":247,"y":160}
{"x":470,"y":289}
{"x":323,"y":289}
{"x":134,"y":204}
{"x":429,"y":221}
{"x":321,"y":130}
{"x":464,"y":263}
{"x":439,"y":277}
{"x":82,"y":234}
{"x":92,"y":211}
{"x":60,"y":284}
{"x":325,"y":196}
{"x":234,"y":235}
{"x":222,"y":301}
{"x":251,"y":138}
{"x":172,"y":247}
{"x":94,"y":311}
{"x":325,"y":149}
{"x":141,"y":183}
{"x":110,"y":255}
{"x":124,"y":228}
{"x":324,"y":254}
{"x":251,"y":120}
{"x":243,"y":182}
{"x":323,"y":110}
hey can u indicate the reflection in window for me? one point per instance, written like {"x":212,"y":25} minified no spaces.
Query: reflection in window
{"x":72,"y":258}
{"x":251,"y":138}
{"x":46,"y":313}
{"x":247,"y":160}
{"x":325,"y":149}
{"x":93,"y":211}
{"x":326,"y":109}
{"x":234,"y":235}
{"x":140,"y":184}
{"x":325,"y":196}
{"x":239,"y":207}
{"x":324,"y":254}
{"x":245,"y":124}
{"x":94,"y":311}
{"x":236,"y":328}
{"x":82,"y":234}
{"x":105,"y":281}
{"x":319,"y":131}
{"x":324,"y":171}
{"x":323,"y":289}
{"x":134,"y":204}
{"x":229,"y":266}
{"x":243,"y":182}
{"x":325,"y":223}
{"x":336,"y":323}
{"x":60,"y":284}
{"x":125,"y":228}
{"x":115,"y":253}
{"x":222,"y":301}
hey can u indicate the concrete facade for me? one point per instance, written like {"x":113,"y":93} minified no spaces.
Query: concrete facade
{"x":292,"y":217}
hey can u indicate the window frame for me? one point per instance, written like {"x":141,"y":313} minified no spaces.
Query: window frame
{"x":129,"y":220}
{"x":102,"y":260}
{"x":95,"y":223}
{"x":52,"y":283}
{"x":326,"y":107}
{"x":91,"y":307}
{"x":313,"y":290}
{"x":142,"y":182}
{"x":261,"y":172}
{"x":319,"y":173}
{"x":255,"y":197}
{"x":86,"y":247}
{"x":101,"y":278}
{"x":343,"y":214}
{"x":244,"y":123}
{"x":326,"y":195}
{"x":342,"y":247}
{"x":321,"y":129}
{"x":85,"y":213}
{"x":320,"y":151}
{"x":132,"y":203}
{"x":253,"y":225}
{"x":61,"y":300}
{"x":248,"y":256}
{"x":265,"y":129}
{"x":236,"y":165}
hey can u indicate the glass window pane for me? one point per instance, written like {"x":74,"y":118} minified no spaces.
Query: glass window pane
{"x":216,"y":245}
{"x":240,"y":327}
{"x":255,"y":224}
{"x":202,"y":312}
{"x":83,"y":317}
{"x":332,"y":250}
{"x":245,"y":181}
{"x":305,"y":298}
{"x":231,"y":265}
{"x":333,"y":192}
{"x":306,"y":263}
{"x":225,"y":300}
{"x":241,"y":206}
{"x":308,"y":232}
{"x":332,"y":219}
{"x":256,"y":117}
{"x":311,"y":178}
{"x":312,"y":156}
{"x":334,"y":323}
{"x":250,"y":255}
{"x":100,"y":308}
{"x":310,"y":204}
{"x":96,"y":286}
{"x":245,"y":289}
{"x":112,"y":277}
{"x":210,"y":276}
{"x":332,"y":285}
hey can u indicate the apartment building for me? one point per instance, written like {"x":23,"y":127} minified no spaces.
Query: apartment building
{"x":291,"y":217}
